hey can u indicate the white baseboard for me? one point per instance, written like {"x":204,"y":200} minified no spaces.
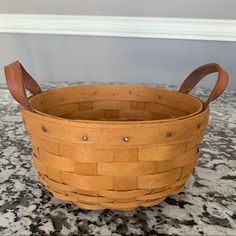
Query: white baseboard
{"x":119,"y":26}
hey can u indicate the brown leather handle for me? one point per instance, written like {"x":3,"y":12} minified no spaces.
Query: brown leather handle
{"x":199,"y":73}
{"x":18,"y":80}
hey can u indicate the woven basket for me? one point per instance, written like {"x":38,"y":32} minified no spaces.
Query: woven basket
{"x":114,"y":146}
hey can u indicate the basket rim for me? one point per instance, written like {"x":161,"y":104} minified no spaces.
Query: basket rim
{"x":106,"y":122}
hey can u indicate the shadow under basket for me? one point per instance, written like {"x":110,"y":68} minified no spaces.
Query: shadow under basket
{"x":114,"y":146}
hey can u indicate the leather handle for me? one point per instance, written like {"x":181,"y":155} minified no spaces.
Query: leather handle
{"x":18,"y":80}
{"x":199,"y":73}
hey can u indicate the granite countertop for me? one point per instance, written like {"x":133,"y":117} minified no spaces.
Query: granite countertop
{"x":206,"y":206}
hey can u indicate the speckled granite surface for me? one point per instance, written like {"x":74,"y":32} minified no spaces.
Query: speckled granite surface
{"x":206,"y":206}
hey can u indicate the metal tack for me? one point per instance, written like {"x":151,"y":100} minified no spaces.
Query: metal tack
{"x":126,"y":139}
{"x":85,"y":138}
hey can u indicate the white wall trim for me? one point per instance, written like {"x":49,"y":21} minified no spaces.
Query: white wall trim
{"x":119,"y":26}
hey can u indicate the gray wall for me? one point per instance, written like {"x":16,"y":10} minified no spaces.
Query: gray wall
{"x":81,"y":58}
{"x":107,"y":59}
{"x":167,"y":8}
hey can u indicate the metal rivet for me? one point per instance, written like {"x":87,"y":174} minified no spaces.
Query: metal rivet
{"x":44,"y":129}
{"x":126,"y":139}
{"x":85,"y":138}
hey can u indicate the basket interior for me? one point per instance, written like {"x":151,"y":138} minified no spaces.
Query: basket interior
{"x":115,"y":103}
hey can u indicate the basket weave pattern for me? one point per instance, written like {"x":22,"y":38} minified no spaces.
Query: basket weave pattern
{"x":105,"y":171}
{"x":113,"y":178}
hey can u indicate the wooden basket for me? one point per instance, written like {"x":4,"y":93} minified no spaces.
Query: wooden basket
{"x":114,"y":146}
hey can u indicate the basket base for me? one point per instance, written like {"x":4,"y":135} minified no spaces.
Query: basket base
{"x":117,"y":204}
